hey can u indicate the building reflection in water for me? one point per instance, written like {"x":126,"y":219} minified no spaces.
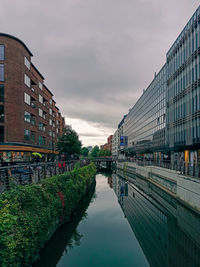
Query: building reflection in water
{"x":167,"y":231}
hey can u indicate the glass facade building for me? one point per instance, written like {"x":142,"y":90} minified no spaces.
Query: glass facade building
{"x":183,"y":94}
{"x":145,"y":122}
{"x":166,"y":118}
{"x":183,"y":86}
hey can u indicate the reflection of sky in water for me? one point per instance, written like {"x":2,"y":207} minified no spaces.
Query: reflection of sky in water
{"x":107,"y":237}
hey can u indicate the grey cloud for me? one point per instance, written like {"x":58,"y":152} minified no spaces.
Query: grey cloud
{"x":97,"y":56}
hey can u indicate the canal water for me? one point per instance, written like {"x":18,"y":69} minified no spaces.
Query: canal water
{"x":129,"y":223}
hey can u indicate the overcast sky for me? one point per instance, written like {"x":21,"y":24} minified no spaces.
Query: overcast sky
{"x":97,"y":56}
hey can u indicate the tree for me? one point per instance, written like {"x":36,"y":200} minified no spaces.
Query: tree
{"x":84,"y":151}
{"x":68,"y":142}
{"x":104,"y":152}
{"x":95,"y":151}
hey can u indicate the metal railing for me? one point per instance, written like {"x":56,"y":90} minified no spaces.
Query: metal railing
{"x":33,"y":173}
{"x":184,"y":168}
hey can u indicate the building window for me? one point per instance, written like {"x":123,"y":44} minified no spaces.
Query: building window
{"x":27,"y":80}
{"x":50,"y":122}
{"x":27,"y":134}
{"x":41,"y":126}
{"x":1,"y":113}
{"x":1,"y":93}
{"x":41,"y":140}
{"x":32,"y":136}
{"x":50,"y":101}
{"x":27,"y":99}
{"x":1,"y":72}
{"x":40,"y":112}
{"x":50,"y":111}
{"x":1,"y":133}
{"x":40,"y":99}
{"x":2,"y":52}
{"x":27,"y":63}
{"x":40,"y":85}
{"x":27,"y":116}
{"x":33,"y":121}
{"x":50,"y":133}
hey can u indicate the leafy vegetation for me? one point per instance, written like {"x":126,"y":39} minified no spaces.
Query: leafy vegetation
{"x":95,"y":151}
{"x":84,"y":151}
{"x":104,"y":152}
{"x":68,"y":142}
{"x":30,"y":214}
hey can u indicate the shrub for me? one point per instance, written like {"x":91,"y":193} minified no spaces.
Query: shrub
{"x":30,"y":214}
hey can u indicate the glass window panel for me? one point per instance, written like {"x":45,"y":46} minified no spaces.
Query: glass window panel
{"x":2,"y":52}
{"x":1,"y":72}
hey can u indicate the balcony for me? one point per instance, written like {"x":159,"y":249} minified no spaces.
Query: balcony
{"x":33,"y":121}
{"x":33,"y":105}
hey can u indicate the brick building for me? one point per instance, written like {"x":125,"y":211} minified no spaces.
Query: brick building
{"x":30,"y":121}
{"x":108,"y":145}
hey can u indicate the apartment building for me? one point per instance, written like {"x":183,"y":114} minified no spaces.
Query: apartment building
{"x":30,"y":121}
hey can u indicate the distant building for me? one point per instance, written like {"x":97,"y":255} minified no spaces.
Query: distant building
{"x":115,"y":144}
{"x":110,"y":143}
{"x":89,"y":148}
{"x":30,"y":121}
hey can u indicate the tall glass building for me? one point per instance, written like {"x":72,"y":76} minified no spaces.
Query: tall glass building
{"x":145,"y":123}
{"x":183,"y":92}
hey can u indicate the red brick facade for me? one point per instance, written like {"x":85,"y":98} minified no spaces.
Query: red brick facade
{"x":108,"y":145}
{"x":39,"y":116}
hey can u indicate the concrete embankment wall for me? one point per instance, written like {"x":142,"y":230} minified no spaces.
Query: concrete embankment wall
{"x":184,"y":188}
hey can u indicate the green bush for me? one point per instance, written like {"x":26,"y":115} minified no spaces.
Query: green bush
{"x":30,"y":214}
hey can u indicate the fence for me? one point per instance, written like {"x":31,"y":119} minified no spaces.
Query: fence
{"x":184,"y":168}
{"x":33,"y":173}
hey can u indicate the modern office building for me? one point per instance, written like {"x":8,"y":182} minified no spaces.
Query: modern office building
{"x":144,"y":125}
{"x":165,"y":121}
{"x":30,"y":121}
{"x":183,"y":93}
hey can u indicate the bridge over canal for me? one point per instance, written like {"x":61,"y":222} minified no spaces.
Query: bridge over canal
{"x":107,"y":163}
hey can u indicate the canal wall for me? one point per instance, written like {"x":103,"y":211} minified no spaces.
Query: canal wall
{"x":185,"y":188}
{"x":29,"y":215}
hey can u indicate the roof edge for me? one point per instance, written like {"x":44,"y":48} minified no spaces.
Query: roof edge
{"x":16,"y":39}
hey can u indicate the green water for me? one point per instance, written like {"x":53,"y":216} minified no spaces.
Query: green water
{"x":103,"y":237}
{"x":138,"y":226}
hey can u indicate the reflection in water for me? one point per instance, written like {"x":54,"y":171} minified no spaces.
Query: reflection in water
{"x":66,"y":237}
{"x":167,"y":231}
{"x":162,"y":231}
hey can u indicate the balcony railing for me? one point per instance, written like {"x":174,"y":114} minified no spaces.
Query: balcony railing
{"x":33,"y":105}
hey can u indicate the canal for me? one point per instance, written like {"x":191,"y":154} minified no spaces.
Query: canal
{"x":126,"y":222}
